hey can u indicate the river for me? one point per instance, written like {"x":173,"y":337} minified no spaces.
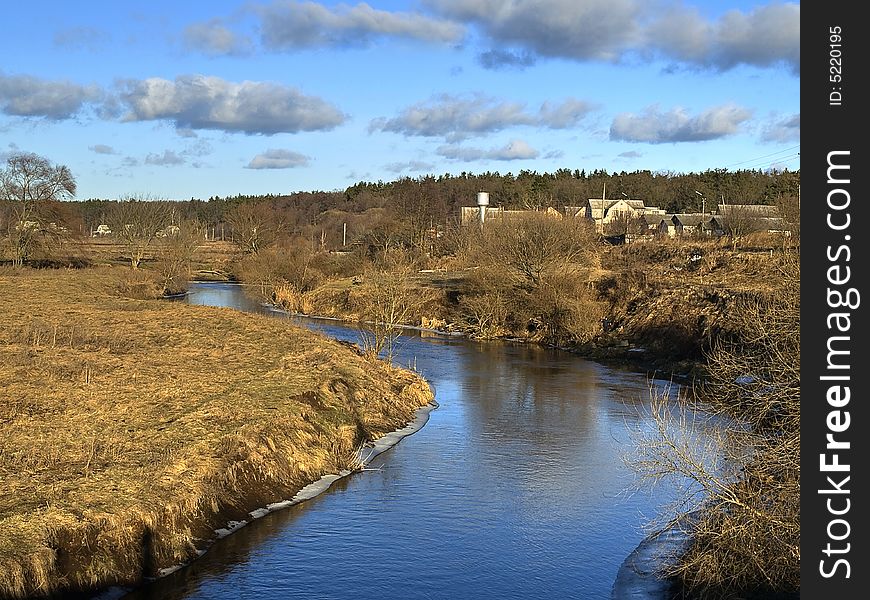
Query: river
{"x":515,"y":488}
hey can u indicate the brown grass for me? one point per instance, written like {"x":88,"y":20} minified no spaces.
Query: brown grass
{"x":131,"y":429}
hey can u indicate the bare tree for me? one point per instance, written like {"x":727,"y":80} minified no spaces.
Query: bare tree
{"x":739,"y":220}
{"x":627,"y":224}
{"x":255,"y":226}
{"x":137,"y":224}
{"x":32,"y":185}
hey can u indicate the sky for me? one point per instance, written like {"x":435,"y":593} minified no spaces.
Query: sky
{"x":178,"y":100}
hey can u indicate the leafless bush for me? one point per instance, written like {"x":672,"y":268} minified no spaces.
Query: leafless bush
{"x":386,"y":301}
{"x":743,"y":510}
{"x":485,"y":304}
{"x":283,"y":273}
{"x":532,"y":246}
{"x":178,"y":247}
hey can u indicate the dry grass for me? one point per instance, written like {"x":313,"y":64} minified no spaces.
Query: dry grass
{"x":130,"y":429}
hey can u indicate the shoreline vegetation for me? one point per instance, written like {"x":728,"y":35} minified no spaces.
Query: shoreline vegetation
{"x":133,"y":429}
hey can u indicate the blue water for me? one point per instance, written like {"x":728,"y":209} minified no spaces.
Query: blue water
{"x":517,"y":487}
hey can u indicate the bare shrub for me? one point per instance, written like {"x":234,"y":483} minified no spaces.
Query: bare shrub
{"x":177,"y":250}
{"x":534,"y":245}
{"x":567,"y":307}
{"x":137,"y":285}
{"x":283,"y":273}
{"x":485,"y":303}
{"x":386,"y":301}
{"x":744,"y":511}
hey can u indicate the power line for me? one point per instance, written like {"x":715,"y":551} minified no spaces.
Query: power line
{"x":783,"y":159}
{"x":761,"y":157}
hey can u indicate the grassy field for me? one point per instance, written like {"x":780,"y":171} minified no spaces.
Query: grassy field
{"x":131,"y":429}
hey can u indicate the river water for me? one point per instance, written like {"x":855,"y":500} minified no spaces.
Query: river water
{"x":515,"y":488}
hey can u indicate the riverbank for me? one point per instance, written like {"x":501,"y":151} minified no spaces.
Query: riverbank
{"x":133,"y":429}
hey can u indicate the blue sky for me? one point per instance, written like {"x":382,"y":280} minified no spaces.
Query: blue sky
{"x":193,"y":99}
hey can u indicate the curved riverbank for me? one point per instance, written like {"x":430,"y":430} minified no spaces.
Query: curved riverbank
{"x":136,"y":429}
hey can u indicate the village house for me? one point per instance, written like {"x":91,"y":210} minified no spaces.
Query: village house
{"x":603,"y":212}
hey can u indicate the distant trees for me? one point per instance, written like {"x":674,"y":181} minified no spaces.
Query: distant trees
{"x":31,"y":185}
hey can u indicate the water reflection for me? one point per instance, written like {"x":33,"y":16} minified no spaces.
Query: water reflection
{"x":515,"y":488}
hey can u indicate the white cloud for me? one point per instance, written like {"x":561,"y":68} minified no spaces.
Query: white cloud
{"x":656,"y":127}
{"x":787,"y":129}
{"x":167,"y":159}
{"x":577,"y":29}
{"x":513,"y":150}
{"x":289,"y":24}
{"x":278,"y":159}
{"x":102,"y":149}
{"x":613,"y":30}
{"x":252,"y":107}
{"x":763,"y":37}
{"x":414,"y":166}
{"x":215,"y":39}
{"x":26,"y":96}
{"x":456,"y":117}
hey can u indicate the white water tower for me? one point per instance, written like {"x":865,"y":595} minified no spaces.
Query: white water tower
{"x":482,"y":203}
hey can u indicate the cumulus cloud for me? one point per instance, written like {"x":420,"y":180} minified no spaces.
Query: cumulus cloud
{"x":278,"y":159}
{"x":456,"y":117}
{"x":289,"y":24}
{"x":656,"y":127}
{"x":765,"y":36}
{"x":787,"y":129}
{"x":26,"y":96}
{"x":167,"y":159}
{"x":101,"y":149}
{"x":513,"y":150}
{"x":613,"y":30}
{"x":630,"y":154}
{"x":252,"y":107}
{"x":215,"y":39}
{"x":577,"y":29}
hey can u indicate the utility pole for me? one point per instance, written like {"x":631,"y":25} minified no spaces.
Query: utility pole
{"x":703,"y":203}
